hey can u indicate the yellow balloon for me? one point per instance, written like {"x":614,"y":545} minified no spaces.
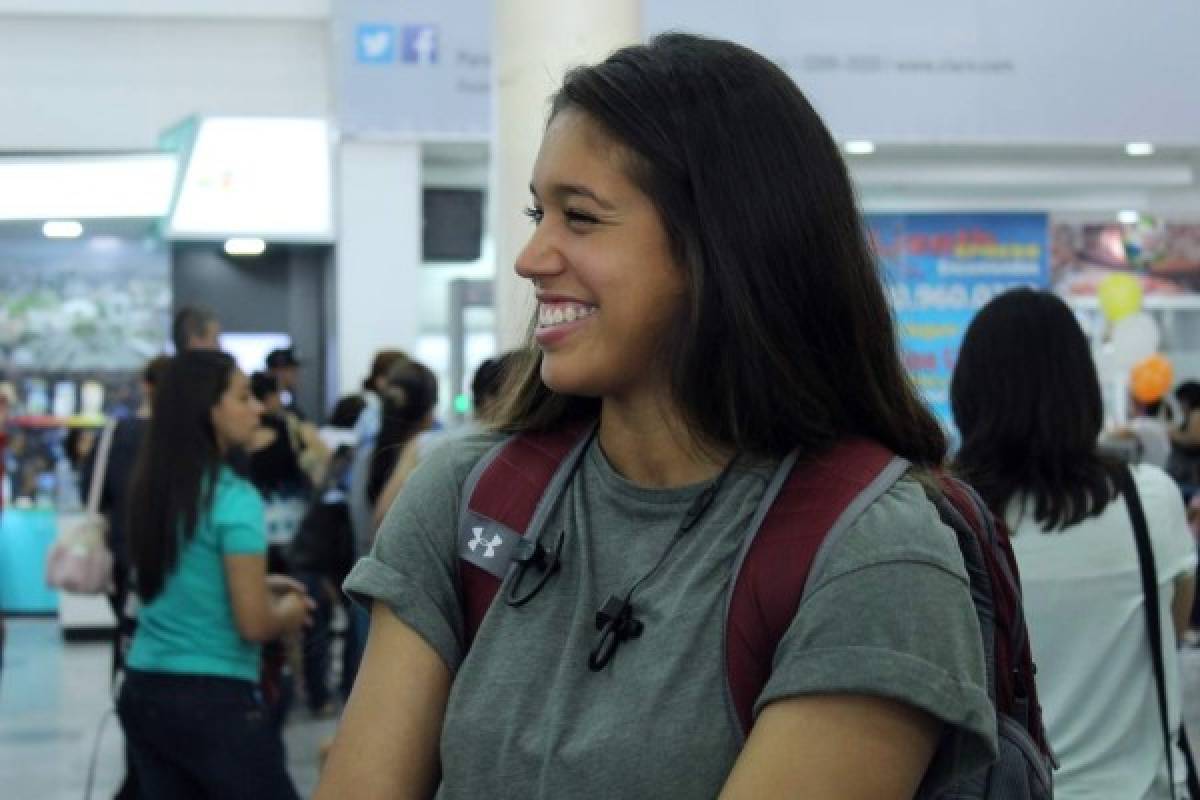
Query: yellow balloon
{"x":1120,"y":295}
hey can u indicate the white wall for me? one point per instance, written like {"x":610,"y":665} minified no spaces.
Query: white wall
{"x":88,"y":83}
{"x":378,"y":254}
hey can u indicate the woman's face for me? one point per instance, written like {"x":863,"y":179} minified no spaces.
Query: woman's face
{"x":236,"y":415}
{"x":600,"y":260}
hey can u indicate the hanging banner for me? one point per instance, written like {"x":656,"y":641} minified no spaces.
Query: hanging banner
{"x":942,"y":268}
{"x":421,"y":68}
{"x":999,"y":71}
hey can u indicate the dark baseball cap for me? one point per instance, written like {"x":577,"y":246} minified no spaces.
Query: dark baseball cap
{"x":283,"y":357}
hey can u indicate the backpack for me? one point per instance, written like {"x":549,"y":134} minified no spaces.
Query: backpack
{"x":515,"y":487}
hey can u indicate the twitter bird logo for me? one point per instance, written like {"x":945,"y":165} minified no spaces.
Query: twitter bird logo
{"x":376,"y":44}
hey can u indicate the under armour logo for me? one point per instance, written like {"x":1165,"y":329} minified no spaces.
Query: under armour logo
{"x":478,"y":541}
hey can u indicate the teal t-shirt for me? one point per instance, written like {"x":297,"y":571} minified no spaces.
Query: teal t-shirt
{"x":189,"y":627}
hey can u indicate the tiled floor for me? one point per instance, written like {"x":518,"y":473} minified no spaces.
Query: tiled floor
{"x":53,"y":702}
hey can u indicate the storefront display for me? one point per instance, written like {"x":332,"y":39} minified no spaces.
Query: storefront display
{"x":1164,"y":257}
{"x":78,"y":321}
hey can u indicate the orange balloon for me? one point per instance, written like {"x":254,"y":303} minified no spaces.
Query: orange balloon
{"x":1150,"y":378}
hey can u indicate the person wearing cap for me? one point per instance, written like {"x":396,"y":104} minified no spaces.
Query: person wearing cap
{"x":283,"y":365}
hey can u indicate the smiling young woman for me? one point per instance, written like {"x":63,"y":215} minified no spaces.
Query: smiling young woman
{"x":707,"y":305}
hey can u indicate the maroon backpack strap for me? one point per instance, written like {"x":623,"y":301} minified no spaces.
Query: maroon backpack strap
{"x":501,"y":498}
{"x":805,"y":506}
{"x":1013,"y":684}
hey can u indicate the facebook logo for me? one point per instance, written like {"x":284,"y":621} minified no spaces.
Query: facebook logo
{"x":419,"y":44}
{"x":375,"y":44}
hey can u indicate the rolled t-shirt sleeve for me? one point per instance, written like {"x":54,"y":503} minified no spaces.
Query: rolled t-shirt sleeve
{"x":239,"y":519}
{"x":889,"y":614}
{"x":413,"y":565}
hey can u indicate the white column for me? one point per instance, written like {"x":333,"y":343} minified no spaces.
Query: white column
{"x":535,"y":42}
{"x":378,"y":254}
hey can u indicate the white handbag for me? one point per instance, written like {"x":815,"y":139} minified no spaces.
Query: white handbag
{"x":80,"y":561}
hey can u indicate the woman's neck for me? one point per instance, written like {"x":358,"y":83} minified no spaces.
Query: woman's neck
{"x":650,"y":445}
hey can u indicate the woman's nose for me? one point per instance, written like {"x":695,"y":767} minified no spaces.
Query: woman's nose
{"x":539,"y":257}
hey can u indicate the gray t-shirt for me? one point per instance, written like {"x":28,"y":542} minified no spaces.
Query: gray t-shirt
{"x":889,"y":614}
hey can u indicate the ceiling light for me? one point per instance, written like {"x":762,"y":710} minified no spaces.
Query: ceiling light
{"x":860,"y":147}
{"x":1139,"y":149}
{"x":248,"y":176}
{"x":1128,"y":217}
{"x":87,"y":187}
{"x":62,"y":229}
{"x":245,"y":247}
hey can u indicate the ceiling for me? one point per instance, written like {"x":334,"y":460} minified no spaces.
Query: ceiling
{"x":119,"y":228}
{"x":1083,"y":180}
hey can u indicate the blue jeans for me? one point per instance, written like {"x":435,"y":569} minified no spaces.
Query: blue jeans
{"x":201,"y":736}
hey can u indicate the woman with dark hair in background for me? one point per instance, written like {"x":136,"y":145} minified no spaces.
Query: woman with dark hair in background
{"x":1027,"y":401}
{"x":366,"y":432}
{"x":287,"y":456}
{"x":321,"y":557}
{"x":408,"y":401}
{"x":287,"y":464}
{"x":707,"y":305}
{"x":190,"y":704}
{"x":487,"y":385}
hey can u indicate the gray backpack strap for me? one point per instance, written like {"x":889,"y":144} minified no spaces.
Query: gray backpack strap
{"x":488,"y":543}
{"x":464,"y":505}
{"x":876,"y":489}
{"x":880,"y":483}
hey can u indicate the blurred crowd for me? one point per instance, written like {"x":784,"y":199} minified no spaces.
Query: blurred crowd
{"x":246,"y":605}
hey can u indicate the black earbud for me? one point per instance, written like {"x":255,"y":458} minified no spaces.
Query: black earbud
{"x":529,"y":553}
{"x":616,"y":624}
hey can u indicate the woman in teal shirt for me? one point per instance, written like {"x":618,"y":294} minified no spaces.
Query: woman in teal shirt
{"x":190,"y":705}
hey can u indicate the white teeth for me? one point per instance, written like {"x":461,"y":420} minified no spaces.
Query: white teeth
{"x":549,"y":315}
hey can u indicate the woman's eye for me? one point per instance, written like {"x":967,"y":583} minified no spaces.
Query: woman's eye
{"x":534,"y":214}
{"x":579,"y":217}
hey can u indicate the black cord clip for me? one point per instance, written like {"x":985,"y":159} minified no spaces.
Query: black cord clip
{"x":616,"y":624}
{"x":529,"y":553}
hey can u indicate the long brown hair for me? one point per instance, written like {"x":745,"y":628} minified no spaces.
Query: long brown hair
{"x":786,"y":340}
{"x":177,"y":466}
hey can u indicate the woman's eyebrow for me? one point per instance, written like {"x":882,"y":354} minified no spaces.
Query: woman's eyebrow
{"x":564,"y":190}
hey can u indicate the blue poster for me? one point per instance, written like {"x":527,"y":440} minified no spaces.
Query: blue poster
{"x":942,"y":268}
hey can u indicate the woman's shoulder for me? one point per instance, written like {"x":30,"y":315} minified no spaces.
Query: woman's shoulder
{"x":1153,"y":480}
{"x":1162,"y":503}
{"x":899,"y":526}
{"x":234,"y":495}
{"x":454,"y":454}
